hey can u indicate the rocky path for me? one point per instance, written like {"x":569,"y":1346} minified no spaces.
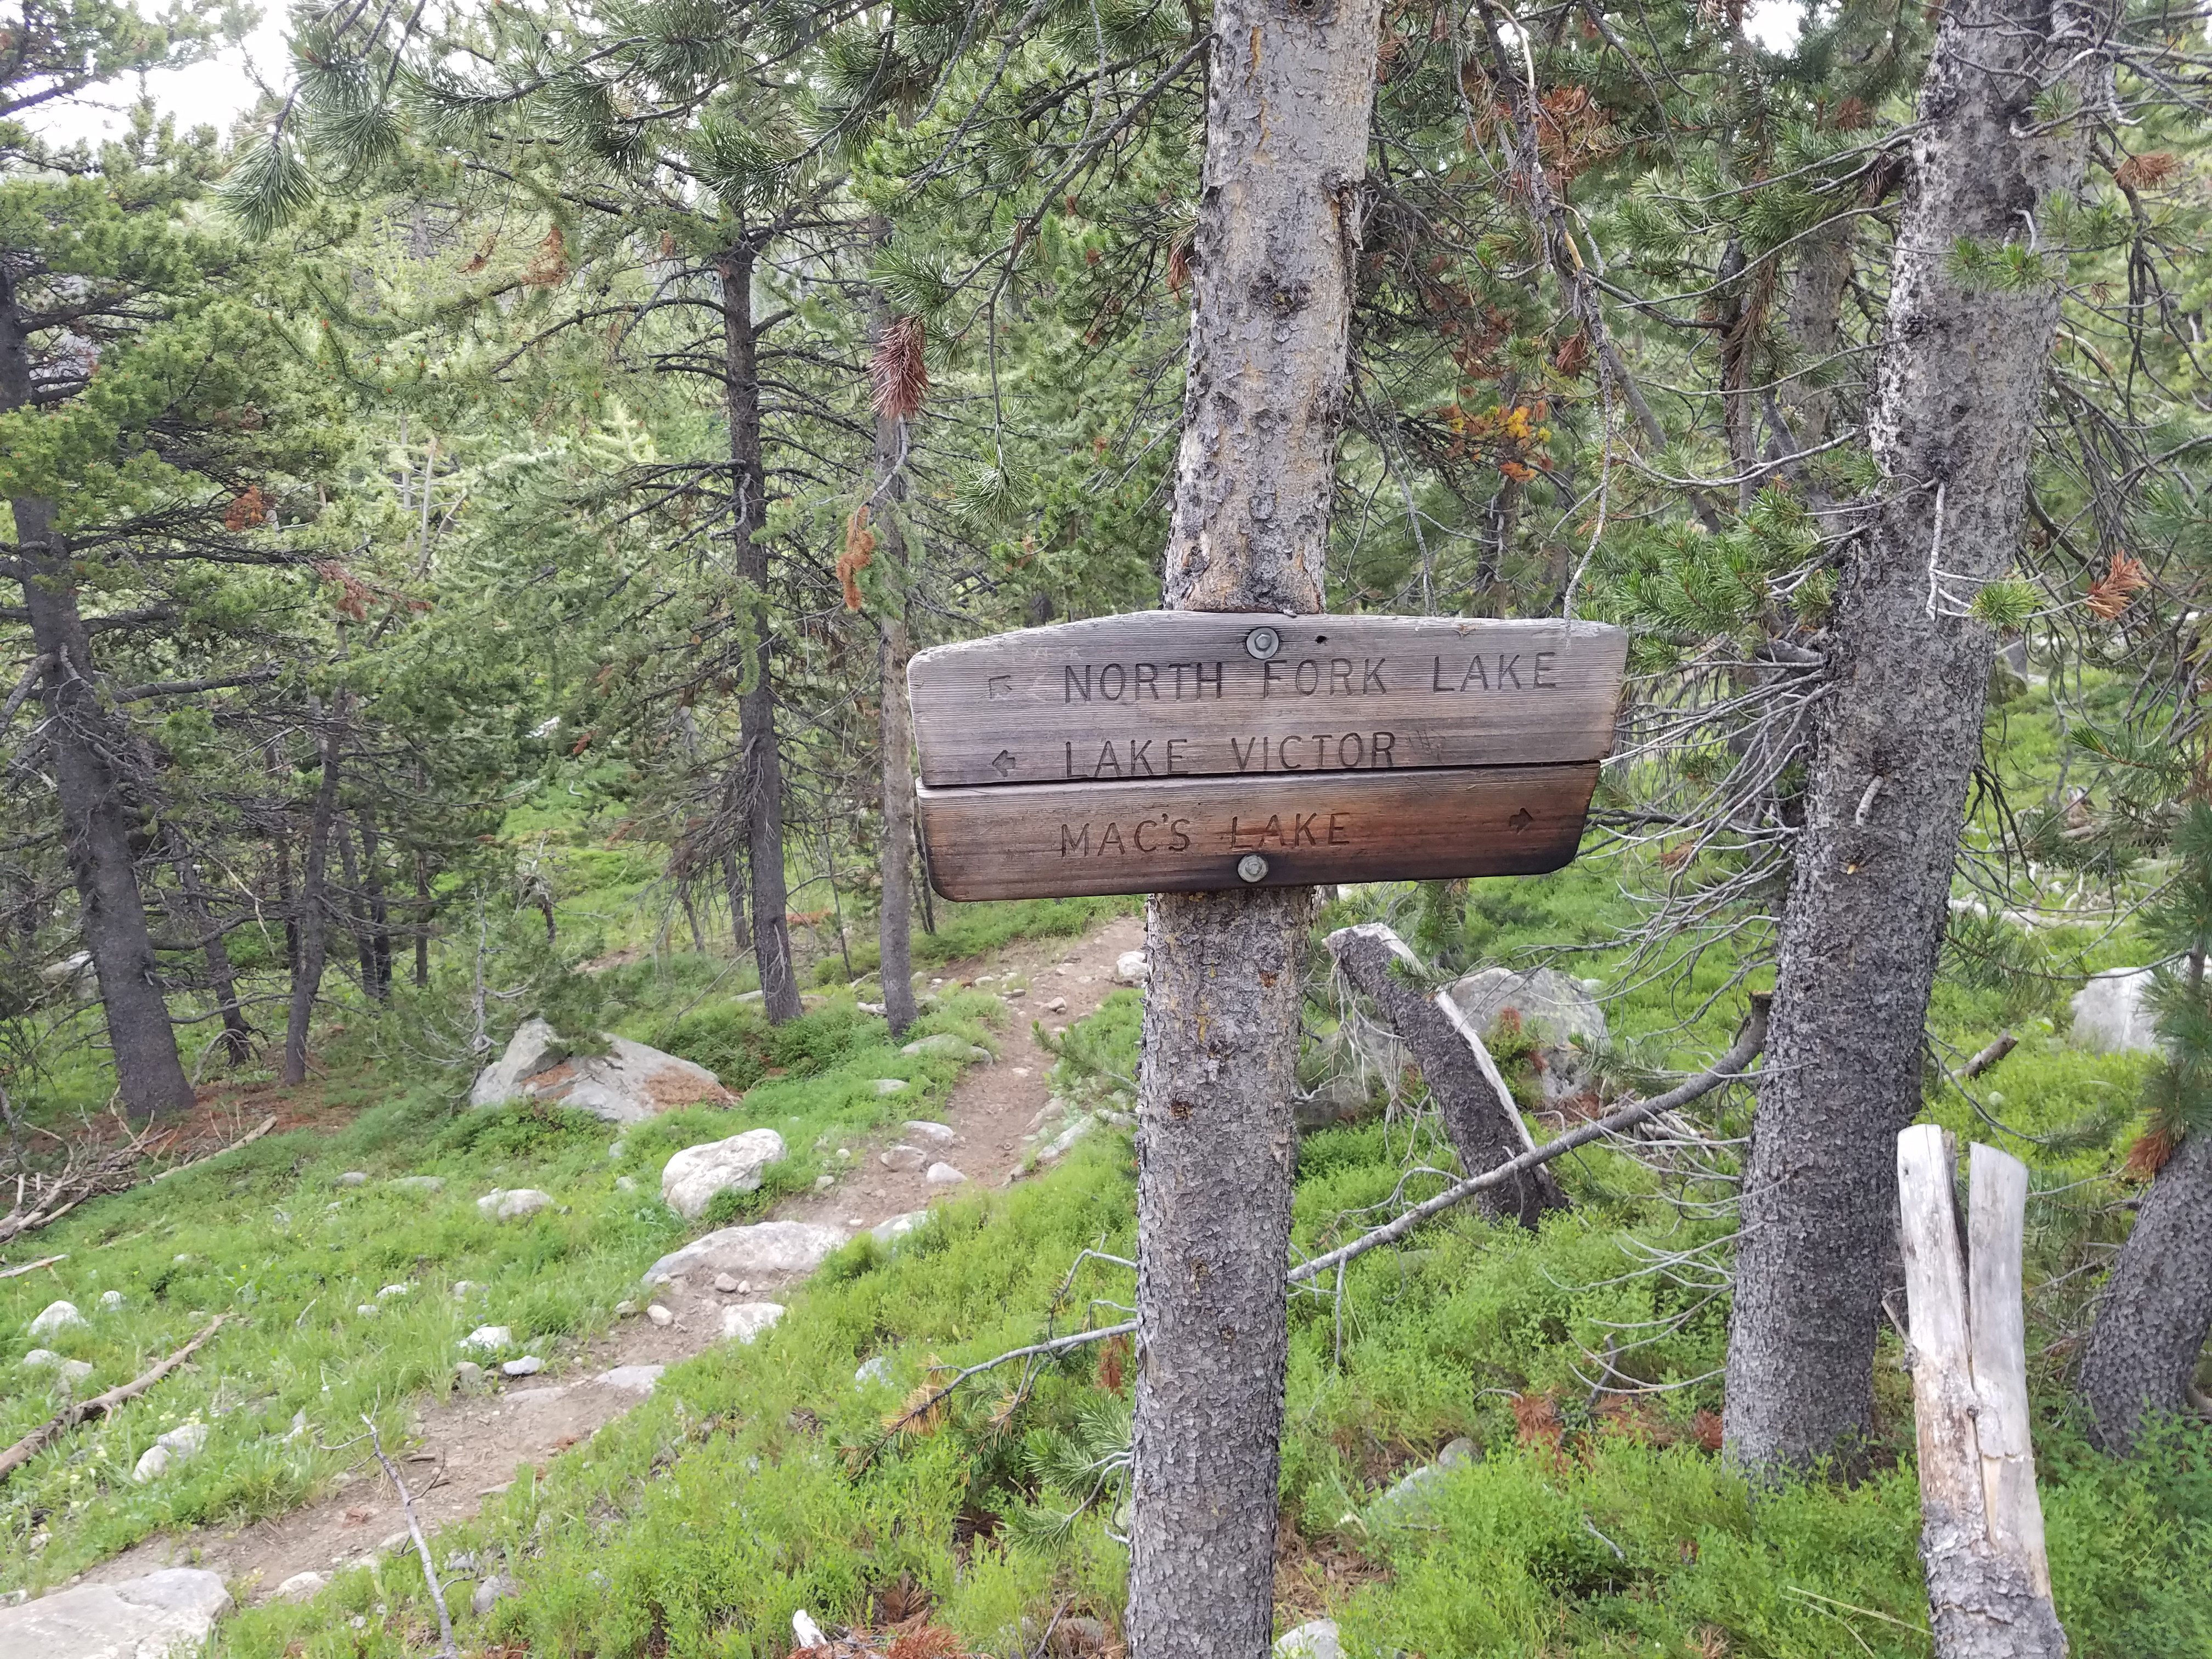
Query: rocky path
{"x":468,"y":1449}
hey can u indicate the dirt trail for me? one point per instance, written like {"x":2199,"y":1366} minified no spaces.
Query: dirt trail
{"x":465,"y":1450}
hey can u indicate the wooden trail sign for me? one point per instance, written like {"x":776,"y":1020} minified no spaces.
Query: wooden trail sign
{"x":1182,"y":750}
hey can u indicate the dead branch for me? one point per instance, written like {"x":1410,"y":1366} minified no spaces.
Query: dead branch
{"x":32,"y":1267}
{"x":100,"y":1405}
{"x":445,"y":1648}
{"x":115,"y":1170}
{"x":2005,"y":1043}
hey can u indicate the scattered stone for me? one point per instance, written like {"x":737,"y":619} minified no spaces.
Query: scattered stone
{"x":625,"y":1310}
{"x":462,"y":1287}
{"x":58,"y":1317}
{"x":397,"y":1540}
{"x":661,"y":1316}
{"x":529,"y":1365}
{"x":903,"y":1158}
{"x":945,"y":1046}
{"x":625,"y":1184}
{"x":725,"y":1284}
{"x":2112,"y":1014}
{"x":40,"y":1360}
{"x":489,"y":1338}
{"x":1017,"y":990}
{"x":301,"y":1587}
{"x":1059,"y":1145}
{"x":300,"y":1423}
{"x":1315,"y":1640}
{"x":1132,"y":967}
{"x":887,"y":1232}
{"x":890,"y":1086}
{"x":110,"y":1301}
{"x":877,"y":1370}
{"x":689,"y":1180}
{"x":354,"y":1178}
{"x":494,"y":1590}
{"x":469,"y":1378}
{"x":69,"y":1374}
{"x":502,"y":1203}
{"x":391,"y":1291}
{"x":931,"y":1134}
{"x":368,"y":1309}
{"x":144,"y":1618}
{"x":1557,"y":1008}
{"x":425,"y":1185}
{"x":1413,"y":1492}
{"x":943,"y":1175}
{"x":181,"y":1445}
{"x":630,"y":1083}
{"x":1057,"y":1006}
{"x":823,"y":1183}
{"x":743,"y":1322}
{"x":762,"y":1249}
{"x":805,"y":1632}
{"x":633,"y":1379}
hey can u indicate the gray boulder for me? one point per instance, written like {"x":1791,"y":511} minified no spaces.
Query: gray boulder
{"x":1405,"y":1500}
{"x":493,"y":1591}
{"x":2112,"y":1015}
{"x":890,"y":1232}
{"x":181,"y":1445}
{"x":764,"y":1248}
{"x":534,"y":1047}
{"x":137,"y":1618}
{"x":1558,"y":1008}
{"x":946,"y":1046}
{"x":632,"y":1379}
{"x":1316,"y":1639}
{"x":629,"y":1084}
{"x":743,"y":1321}
{"x":689,"y":1180}
{"x":512,"y":1204}
{"x":57,"y":1317}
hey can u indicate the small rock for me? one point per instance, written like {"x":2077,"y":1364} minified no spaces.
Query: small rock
{"x":425,"y":1185}
{"x":1412,"y":1493}
{"x":69,"y":1374}
{"x":397,"y":1540}
{"x":625,"y":1310}
{"x":931,"y":1134}
{"x":391,"y":1291}
{"x":489,"y":1338}
{"x":40,"y":1360}
{"x":661,"y":1316}
{"x":943,"y":1175}
{"x":690,"y":1179}
{"x":743,"y":1322}
{"x":945,"y":1046}
{"x":529,"y":1365}
{"x":1016,"y":990}
{"x":1316,"y":1639}
{"x":877,"y":1370}
{"x":494,"y":1590}
{"x":625,"y":1184}
{"x":300,"y":1422}
{"x":725,"y":1284}
{"x":58,"y":1317}
{"x":301,"y":1587}
{"x":633,"y":1379}
{"x":354,"y":1178}
{"x":110,"y":1301}
{"x":890,"y":1086}
{"x":462,"y":1287}
{"x":804,"y":1629}
{"x":469,"y":1378}
{"x":368,"y":1309}
{"x":903,"y":1158}
{"x":1066,"y":1138}
{"x":502,"y":1205}
{"x":1131,"y":966}
{"x":153,"y":1464}
{"x":463,"y":1561}
{"x":823,"y":1183}
{"x":1057,"y":1006}
{"x":180,"y":1445}
{"x":755,"y":1251}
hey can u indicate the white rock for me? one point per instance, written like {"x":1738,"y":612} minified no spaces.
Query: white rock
{"x":661,"y":1316}
{"x":502,"y":1204}
{"x":1315,"y":1640}
{"x":1059,"y":1145}
{"x":489,"y":1338}
{"x":632,"y":1379}
{"x":887,"y":1232}
{"x":1017,"y":990}
{"x":70,"y":1373}
{"x":391,"y":1291}
{"x":1057,"y":1006}
{"x":946,"y":1046}
{"x":493,"y":1591}
{"x":805,"y":1631}
{"x":534,"y":1047}
{"x":890,"y":1086}
{"x":743,"y":1322}
{"x":629,"y":1084}
{"x":354,"y":1178}
{"x":180,"y":1445}
{"x":1556,"y":1007}
{"x":1411,"y":1494}
{"x":153,"y":1463}
{"x":148,"y":1618}
{"x":40,"y":1359}
{"x":625,"y":1184}
{"x":58,"y":1317}
{"x":1131,"y":966}
{"x":2112,"y":1015}
{"x":368,"y":1309}
{"x":760,"y":1249}
{"x":424,"y":1184}
{"x":943,"y":1175}
{"x":690,"y":1179}
{"x":529,"y":1365}
{"x":469,"y":1378}
{"x":110,"y":1301}
{"x":928,"y":1133}
{"x":625,"y":1310}
{"x":462,"y":1287}
{"x":725,"y":1284}
{"x":301,"y":1587}
{"x":877,"y":1370}
{"x":903,"y":1158}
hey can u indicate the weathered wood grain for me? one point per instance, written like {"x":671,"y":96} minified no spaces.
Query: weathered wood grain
{"x":1187,"y":834}
{"x":1175,"y":694}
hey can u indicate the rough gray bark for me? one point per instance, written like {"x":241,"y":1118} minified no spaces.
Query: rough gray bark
{"x":98,"y":816}
{"x":2142,"y":1353}
{"x":1290,"y":88}
{"x":762,"y":764}
{"x":1955,"y":396}
{"x":223,"y":977}
{"x":313,"y":904}
{"x":895,"y":857}
{"x":1479,"y":1117}
{"x":1815,"y":328}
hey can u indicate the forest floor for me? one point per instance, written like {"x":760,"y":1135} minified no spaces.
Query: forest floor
{"x":463,"y":1449}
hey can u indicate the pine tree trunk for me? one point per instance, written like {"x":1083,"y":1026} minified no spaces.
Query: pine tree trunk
{"x":895,"y":922}
{"x":314,"y":902}
{"x":356,"y":909}
{"x":1955,"y":396}
{"x":1288,"y":94}
{"x":96,"y":812}
{"x":763,"y":766}
{"x":237,"y":1034}
{"x":2143,"y":1353}
{"x":380,"y":917}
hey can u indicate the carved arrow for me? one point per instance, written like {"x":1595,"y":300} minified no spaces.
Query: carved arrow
{"x":1004,"y":764}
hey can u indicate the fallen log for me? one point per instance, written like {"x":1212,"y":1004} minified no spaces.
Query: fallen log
{"x":83,"y":1411}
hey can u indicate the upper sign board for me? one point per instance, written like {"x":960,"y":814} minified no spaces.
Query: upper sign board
{"x":1176,"y":751}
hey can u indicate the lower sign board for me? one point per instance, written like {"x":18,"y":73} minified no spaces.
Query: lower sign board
{"x":1189,"y":834}
{"x":1182,"y":751}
